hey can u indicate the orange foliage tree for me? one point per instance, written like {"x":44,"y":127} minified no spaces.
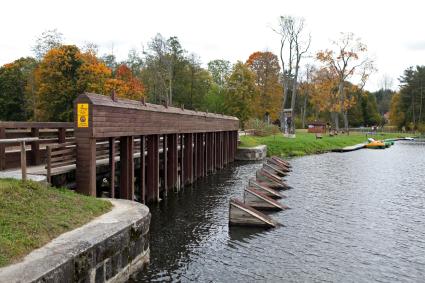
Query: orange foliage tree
{"x":125,"y":84}
{"x":266,"y":67}
{"x":346,"y":59}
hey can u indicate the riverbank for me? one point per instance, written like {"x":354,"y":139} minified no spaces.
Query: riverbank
{"x":32,"y":214}
{"x":306,"y":143}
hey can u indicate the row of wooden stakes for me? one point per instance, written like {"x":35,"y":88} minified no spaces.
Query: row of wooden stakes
{"x":261,"y":194}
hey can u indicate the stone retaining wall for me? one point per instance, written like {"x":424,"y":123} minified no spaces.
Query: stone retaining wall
{"x":251,"y":153}
{"x":108,"y":249}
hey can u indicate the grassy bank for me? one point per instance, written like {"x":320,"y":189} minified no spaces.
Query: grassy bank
{"x":32,"y":214}
{"x":306,"y":143}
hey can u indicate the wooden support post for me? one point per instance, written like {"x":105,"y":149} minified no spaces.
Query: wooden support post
{"x":142,"y":171}
{"x":232,"y":146}
{"x":112,"y":167}
{"x":221,"y":150}
{"x":235,"y":144}
{"x":61,"y":135}
{"x":181,"y":164}
{"x":49,"y":164}
{"x":172,"y":160}
{"x":226,"y":147}
{"x":211,"y":152}
{"x":188,"y":159}
{"x":127,"y":168}
{"x":23,"y":161}
{"x":2,"y":150}
{"x":195,"y":157}
{"x":207,"y":153}
{"x":165,"y":163}
{"x":217,"y":150}
{"x":199,"y":156}
{"x":35,"y":147}
{"x":86,"y":169}
{"x":203,"y":151}
{"x":152,"y":177}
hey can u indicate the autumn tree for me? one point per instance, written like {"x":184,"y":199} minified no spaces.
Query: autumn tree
{"x":241,"y":93}
{"x":346,"y":59}
{"x":62,"y":75}
{"x":324,"y":95}
{"x":265,"y":66}
{"x":17,"y":90}
{"x":397,"y":114}
{"x":293,"y":46}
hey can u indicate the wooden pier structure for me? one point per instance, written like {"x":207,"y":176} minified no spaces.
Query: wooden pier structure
{"x":145,"y":149}
{"x":192,"y":144}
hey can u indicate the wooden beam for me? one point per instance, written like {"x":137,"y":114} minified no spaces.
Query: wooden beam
{"x":203,"y":154}
{"x":221,"y":150}
{"x":188,"y":159}
{"x":142,"y":170}
{"x":199,"y":156}
{"x":38,"y":125}
{"x":195,"y":157}
{"x":172,"y":160}
{"x":23,"y":161}
{"x":2,"y":150}
{"x":112,"y":167}
{"x":61,"y":135}
{"x":86,"y":166}
{"x":181,"y":164}
{"x":152,"y":163}
{"x":165,"y":162}
{"x":35,"y":147}
{"x":127,"y":168}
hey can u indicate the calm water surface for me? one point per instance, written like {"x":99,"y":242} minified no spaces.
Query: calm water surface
{"x":355,"y":217}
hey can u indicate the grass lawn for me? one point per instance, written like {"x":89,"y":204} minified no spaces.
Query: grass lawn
{"x":306,"y":143}
{"x":32,"y":214}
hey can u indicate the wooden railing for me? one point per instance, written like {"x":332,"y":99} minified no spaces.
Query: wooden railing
{"x":59,"y":155}
{"x":48,"y":133}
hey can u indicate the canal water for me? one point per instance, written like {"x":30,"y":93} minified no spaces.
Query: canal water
{"x":354,"y":217}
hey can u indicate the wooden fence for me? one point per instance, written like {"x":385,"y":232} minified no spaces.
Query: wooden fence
{"x":48,"y":133}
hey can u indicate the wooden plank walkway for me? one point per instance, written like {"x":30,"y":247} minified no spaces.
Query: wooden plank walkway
{"x":38,"y":173}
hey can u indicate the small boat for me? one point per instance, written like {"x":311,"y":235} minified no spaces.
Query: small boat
{"x":375,"y":144}
{"x":388,"y":143}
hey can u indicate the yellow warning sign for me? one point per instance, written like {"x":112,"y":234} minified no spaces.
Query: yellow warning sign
{"x":83,"y":115}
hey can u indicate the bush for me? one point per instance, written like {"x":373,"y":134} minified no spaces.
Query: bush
{"x":261,"y":128}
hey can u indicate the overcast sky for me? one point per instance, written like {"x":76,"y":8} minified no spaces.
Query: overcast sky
{"x":220,"y":29}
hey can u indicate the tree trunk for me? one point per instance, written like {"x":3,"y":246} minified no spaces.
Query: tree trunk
{"x":346,"y":122}
{"x":334,"y":116}
{"x":304,"y":110}
{"x":282,"y":113}
{"x":341,"y":102}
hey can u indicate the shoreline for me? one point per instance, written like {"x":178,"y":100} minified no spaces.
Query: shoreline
{"x":306,"y":143}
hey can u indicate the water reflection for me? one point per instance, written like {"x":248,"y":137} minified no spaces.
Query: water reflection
{"x":355,"y":217}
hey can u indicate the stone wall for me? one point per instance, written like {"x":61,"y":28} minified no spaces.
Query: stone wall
{"x":108,"y":249}
{"x":251,"y":153}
